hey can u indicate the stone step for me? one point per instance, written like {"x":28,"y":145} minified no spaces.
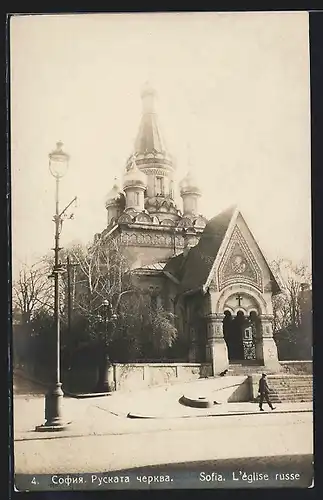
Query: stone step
{"x":291,"y":380}
{"x":291,"y":396}
{"x":294,"y":391}
{"x":291,"y":387}
{"x":290,"y":391}
{"x":296,"y":395}
{"x":299,"y":400}
{"x":294,"y":399}
{"x":284,"y":380}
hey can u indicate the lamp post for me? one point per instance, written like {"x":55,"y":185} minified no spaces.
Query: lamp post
{"x":109,"y":317}
{"x":106,"y":316}
{"x":58,"y":164}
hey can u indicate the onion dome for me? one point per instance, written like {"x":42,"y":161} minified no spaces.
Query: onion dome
{"x":189,"y":185}
{"x":134,"y":177}
{"x":113,"y":195}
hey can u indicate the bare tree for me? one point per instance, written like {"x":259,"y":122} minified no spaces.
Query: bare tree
{"x":32,"y":290}
{"x":102,"y":274}
{"x":287,"y":304}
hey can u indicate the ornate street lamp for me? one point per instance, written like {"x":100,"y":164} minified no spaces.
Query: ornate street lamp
{"x":58,"y":165}
{"x":109,"y":318}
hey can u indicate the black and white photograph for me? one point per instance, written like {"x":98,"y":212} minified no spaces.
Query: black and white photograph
{"x":161,"y":251}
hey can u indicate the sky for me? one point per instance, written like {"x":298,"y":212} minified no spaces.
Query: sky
{"x":233,"y":105}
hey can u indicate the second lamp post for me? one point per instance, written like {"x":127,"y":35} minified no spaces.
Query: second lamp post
{"x":109,"y":318}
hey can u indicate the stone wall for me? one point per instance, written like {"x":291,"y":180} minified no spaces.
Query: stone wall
{"x":242,"y":393}
{"x":297,"y":367}
{"x":134,"y":376}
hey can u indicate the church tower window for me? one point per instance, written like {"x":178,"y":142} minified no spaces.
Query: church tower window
{"x":160,"y":185}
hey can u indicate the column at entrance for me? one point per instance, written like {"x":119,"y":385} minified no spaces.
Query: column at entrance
{"x":266,"y":345}
{"x":216,"y":348}
{"x":193,"y":348}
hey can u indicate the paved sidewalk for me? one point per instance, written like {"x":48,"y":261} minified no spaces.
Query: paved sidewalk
{"x":102,"y":438}
{"x":163,"y":402}
{"x":108,"y":414}
{"x":104,"y":442}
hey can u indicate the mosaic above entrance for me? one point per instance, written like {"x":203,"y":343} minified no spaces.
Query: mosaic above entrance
{"x":238,"y":264}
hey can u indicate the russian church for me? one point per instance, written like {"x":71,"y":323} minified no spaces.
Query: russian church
{"x":210,"y":273}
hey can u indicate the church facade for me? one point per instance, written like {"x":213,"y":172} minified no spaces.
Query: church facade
{"x":210,"y":273}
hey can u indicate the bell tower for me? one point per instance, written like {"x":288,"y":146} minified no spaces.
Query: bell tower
{"x":153,"y":159}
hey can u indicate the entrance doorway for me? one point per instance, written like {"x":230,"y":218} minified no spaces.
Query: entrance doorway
{"x":239,"y":332}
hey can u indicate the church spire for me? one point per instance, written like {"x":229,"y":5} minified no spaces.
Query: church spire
{"x":149,"y":138}
{"x":152,"y":159}
{"x":148,"y":96}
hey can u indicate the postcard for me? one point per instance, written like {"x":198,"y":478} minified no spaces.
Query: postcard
{"x":161,"y":251}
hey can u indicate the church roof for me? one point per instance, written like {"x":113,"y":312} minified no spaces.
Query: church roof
{"x":200,"y":258}
{"x":175,"y":266}
{"x":155,"y":266}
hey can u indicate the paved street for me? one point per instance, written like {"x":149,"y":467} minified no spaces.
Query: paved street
{"x":119,"y":443}
{"x":100,"y":440}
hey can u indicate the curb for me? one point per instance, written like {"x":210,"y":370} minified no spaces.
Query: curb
{"x":227,"y":414}
{"x":86,"y":395}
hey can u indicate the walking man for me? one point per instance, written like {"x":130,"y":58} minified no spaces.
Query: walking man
{"x":264,"y":393}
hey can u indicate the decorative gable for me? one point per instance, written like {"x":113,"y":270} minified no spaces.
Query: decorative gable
{"x":238,"y":264}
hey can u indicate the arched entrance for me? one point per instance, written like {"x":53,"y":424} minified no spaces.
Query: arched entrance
{"x":241,"y":328}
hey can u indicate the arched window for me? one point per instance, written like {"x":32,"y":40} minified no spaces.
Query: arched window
{"x":160,"y":185}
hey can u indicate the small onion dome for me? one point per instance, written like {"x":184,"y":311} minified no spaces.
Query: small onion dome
{"x":134,"y":177}
{"x":113,"y":195}
{"x":189,"y":185}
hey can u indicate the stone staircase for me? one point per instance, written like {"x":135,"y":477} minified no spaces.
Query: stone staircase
{"x":291,"y":388}
{"x":285,"y":388}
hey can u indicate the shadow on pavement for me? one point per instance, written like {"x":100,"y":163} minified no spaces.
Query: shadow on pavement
{"x":283,"y":463}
